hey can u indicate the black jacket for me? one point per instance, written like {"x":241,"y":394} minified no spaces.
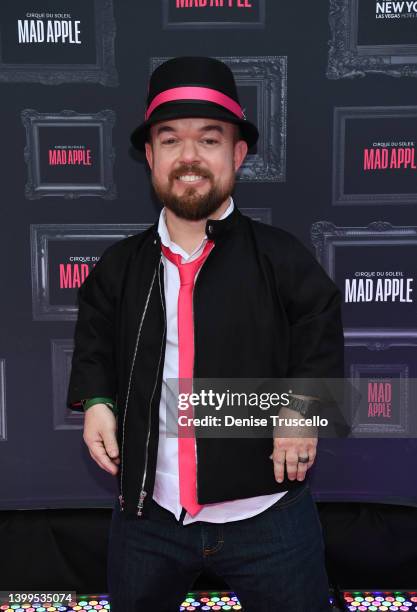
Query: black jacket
{"x":263,"y":307}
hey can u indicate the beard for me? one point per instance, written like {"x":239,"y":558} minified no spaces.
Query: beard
{"x":192,"y":205}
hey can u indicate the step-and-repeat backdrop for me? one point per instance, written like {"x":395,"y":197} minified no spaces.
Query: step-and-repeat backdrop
{"x":331,"y":86}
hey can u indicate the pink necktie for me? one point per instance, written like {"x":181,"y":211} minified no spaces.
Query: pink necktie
{"x":186,"y":438}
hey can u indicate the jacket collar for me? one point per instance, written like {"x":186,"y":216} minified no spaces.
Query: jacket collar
{"x":216,"y":229}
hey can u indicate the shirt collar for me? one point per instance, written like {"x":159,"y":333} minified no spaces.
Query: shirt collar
{"x":175,"y":248}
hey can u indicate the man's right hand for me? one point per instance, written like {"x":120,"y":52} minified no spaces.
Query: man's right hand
{"x":100,"y":427}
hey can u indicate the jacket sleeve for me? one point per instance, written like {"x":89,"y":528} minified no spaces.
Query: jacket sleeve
{"x":92,"y":401}
{"x":93,"y":371}
{"x":316,"y":329}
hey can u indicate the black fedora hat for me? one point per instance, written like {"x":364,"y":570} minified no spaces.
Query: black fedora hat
{"x":193,"y":87}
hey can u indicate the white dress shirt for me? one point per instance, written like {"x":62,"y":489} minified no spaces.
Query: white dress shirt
{"x":166,"y":491}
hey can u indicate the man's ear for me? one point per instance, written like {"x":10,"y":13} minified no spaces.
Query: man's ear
{"x":241,"y":150}
{"x":149,"y":153}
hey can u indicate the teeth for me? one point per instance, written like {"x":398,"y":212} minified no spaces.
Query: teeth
{"x":188,"y":178}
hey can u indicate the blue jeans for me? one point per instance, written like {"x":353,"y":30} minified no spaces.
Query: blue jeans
{"x":273,"y":561}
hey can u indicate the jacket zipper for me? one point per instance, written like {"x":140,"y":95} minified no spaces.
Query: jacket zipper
{"x":121,"y":497}
{"x":143,"y":493}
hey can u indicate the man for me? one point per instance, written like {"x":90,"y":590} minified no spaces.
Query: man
{"x":205,"y":292}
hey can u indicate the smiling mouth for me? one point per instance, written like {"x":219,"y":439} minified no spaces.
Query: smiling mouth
{"x":190,"y":178}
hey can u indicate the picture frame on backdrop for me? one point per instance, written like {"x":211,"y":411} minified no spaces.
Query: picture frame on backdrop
{"x":59,"y":42}
{"x":374,"y":268}
{"x":262,"y":88}
{"x":62,"y":255}
{"x":374,"y":155}
{"x":382,"y":370}
{"x":185,"y":14}
{"x":69,"y":154}
{"x":372,"y":37}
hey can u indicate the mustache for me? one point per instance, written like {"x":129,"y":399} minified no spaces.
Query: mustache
{"x":190,"y":169}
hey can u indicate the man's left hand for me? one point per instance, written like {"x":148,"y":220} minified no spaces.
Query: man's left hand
{"x":291,"y":443}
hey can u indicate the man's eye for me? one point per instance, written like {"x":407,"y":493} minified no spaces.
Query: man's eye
{"x":168,"y":141}
{"x":210,"y":140}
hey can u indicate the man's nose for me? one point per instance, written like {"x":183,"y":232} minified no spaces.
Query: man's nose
{"x":189,"y":151}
